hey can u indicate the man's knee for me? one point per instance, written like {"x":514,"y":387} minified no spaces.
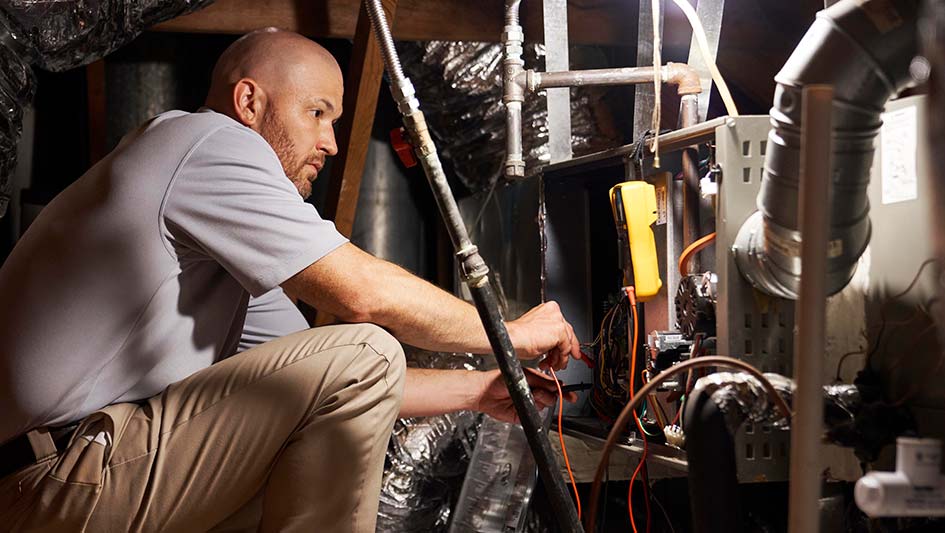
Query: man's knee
{"x":363,"y":352}
{"x":384,"y":344}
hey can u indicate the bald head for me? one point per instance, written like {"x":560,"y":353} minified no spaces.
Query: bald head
{"x":287,"y":88}
{"x":271,"y":57}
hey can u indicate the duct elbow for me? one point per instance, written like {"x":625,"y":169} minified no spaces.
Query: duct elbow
{"x":863,"y":49}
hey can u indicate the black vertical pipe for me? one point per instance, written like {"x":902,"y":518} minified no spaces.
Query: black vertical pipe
{"x":475,"y":274}
{"x":713,"y":485}
{"x":531,"y":421}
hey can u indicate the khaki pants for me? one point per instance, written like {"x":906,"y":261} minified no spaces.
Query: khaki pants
{"x":304,"y":420}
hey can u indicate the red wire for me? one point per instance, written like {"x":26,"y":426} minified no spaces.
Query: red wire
{"x":646,"y":487}
{"x":564,"y":451}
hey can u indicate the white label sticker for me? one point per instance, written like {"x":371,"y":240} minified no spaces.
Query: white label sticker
{"x":661,"y":205}
{"x":899,"y":153}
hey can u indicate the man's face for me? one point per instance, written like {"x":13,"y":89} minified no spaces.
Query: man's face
{"x":299,"y":119}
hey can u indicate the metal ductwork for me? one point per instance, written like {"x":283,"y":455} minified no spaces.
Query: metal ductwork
{"x":863,"y":48}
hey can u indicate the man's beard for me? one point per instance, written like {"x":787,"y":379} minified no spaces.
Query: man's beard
{"x":276,"y":135}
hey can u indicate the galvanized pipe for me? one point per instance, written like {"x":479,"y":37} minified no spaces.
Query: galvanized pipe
{"x":476,"y":276}
{"x":811,"y":315}
{"x":685,"y":78}
{"x":516,"y":80}
{"x":513,"y":94}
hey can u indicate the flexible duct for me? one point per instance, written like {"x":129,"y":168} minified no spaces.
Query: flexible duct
{"x":863,"y":48}
{"x":58,"y":36}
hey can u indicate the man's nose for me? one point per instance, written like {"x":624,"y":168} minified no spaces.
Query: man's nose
{"x":327,"y":142}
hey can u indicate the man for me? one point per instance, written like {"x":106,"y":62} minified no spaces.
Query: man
{"x":126,"y":298}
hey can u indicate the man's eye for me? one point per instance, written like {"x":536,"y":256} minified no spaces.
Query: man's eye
{"x":318,"y":113}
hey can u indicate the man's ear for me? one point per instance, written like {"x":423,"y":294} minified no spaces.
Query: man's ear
{"x":249,"y":102}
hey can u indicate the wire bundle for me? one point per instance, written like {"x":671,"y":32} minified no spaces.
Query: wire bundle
{"x":611,"y":380}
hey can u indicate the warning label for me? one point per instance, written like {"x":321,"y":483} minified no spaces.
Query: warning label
{"x":661,"y":204}
{"x":899,"y":153}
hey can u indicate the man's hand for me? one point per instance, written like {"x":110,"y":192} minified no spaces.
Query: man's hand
{"x":494,"y":400}
{"x":543,"y":330}
{"x":358,"y":287}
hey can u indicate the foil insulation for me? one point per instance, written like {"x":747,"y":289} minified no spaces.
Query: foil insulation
{"x":427,"y":459}
{"x":57,"y":36}
{"x":855,"y":415}
{"x":858,"y":416}
{"x":460,"y":85}
{"x":741,"y":397}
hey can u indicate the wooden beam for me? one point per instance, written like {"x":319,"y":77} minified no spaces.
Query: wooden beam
{"x":362,"y":85}
{"x":606,"y":22}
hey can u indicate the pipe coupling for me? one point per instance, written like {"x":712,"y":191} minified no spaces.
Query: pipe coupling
{"x":471,"y":265}
{"x":406,"y":97}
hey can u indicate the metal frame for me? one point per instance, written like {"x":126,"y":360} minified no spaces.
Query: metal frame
{"x":754,"y":327}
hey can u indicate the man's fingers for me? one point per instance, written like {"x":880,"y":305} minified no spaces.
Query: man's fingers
{"x":544,"y":398}
{"x":575,"y":347}
{"x":540,"y":380}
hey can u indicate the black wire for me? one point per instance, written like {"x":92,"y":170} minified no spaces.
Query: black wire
{"x":914,"y":281}
{"x":665,"y":514}
{"x":882,"y":310}
{"x":844,"y":358}
{"x":636,"y":155}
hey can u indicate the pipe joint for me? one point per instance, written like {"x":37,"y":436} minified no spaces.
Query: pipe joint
{"x":684,"y":77}
{"x":406,"y":97}
{"x":473,"y":268}
{"x":513,"y":35}
{"x":532,"y":80}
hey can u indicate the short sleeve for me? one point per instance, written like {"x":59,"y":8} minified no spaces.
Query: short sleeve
{"x":232,"y":202}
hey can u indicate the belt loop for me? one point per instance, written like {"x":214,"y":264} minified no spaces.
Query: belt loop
{"x":42,"y":443}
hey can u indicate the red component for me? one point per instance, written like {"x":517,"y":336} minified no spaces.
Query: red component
{"x":403,"y":147}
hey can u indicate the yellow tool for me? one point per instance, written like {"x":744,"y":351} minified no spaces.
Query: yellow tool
{"x":634,"y":207}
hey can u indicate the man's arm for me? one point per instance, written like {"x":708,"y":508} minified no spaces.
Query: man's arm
{"x":429,"y":392}
{"x":358,"y":287}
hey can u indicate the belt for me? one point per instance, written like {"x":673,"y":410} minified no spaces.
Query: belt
{"x":18,"y":452}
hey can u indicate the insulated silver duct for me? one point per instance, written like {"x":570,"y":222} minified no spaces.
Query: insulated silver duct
{"x":863,"y":48}
{"x":58,"y":36}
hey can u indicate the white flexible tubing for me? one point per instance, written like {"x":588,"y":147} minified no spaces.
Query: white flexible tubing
{"x":699,"y":33}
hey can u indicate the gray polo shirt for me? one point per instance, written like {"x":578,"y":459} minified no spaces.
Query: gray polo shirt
{"x":139,"y":274}
{"x":269,"y":317}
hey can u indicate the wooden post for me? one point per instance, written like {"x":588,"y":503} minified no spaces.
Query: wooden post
{"x":362,"y":86}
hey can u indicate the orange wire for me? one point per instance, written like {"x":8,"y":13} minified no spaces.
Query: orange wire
{"x":631,"y":345}
{"x":564,"y":451}
{"x":691,"y":250}
{"x":636,"y":472}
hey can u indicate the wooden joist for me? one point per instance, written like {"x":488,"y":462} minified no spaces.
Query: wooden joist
{"x":590,"y":21}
